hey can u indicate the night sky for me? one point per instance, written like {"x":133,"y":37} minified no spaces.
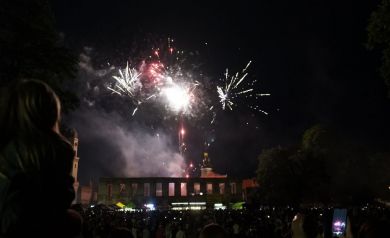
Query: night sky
{"x":310,"y":55}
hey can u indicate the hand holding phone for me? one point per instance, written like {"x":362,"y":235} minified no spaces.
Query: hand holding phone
{"x":339,"y":222}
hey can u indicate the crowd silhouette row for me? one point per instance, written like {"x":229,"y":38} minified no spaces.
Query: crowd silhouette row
{"x":36,"y":191}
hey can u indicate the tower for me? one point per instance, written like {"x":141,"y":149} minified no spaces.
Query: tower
{"x":206,"y":169}
{"x":75,"y":168}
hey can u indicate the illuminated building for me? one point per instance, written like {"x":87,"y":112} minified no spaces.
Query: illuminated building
{"x":167,"y":192}
{"x":208,"y":190}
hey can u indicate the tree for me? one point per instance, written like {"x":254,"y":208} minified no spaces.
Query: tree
{"x":379,"y":36}
{"x":379,"y":167}
{"x":279,"y":176}
{"x":326,"y":168}
{"x":30,"y":47}
{"x":336,"y":168}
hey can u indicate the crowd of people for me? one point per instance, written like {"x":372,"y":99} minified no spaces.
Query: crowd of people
{"x":36,"y":191}
{"x":263,"y":222}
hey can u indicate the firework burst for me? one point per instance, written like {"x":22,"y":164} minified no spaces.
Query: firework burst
{"x":236,"y":86}
{"x":167,"y":85}
{"x":127,"y":83}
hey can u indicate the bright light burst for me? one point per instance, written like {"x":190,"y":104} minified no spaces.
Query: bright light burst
{"x":160,"y":78}
{"x":154,"y":80}
{"x":178,"y":97}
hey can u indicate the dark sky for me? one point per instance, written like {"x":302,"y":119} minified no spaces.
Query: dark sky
{"x":309,"y":55}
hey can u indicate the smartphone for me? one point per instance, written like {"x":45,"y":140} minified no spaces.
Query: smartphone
{"x":339,"y":222}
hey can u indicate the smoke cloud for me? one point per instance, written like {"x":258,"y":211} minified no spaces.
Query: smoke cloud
{"x":123,"y":150}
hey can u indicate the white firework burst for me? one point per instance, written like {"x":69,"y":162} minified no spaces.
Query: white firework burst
{"x":236,"y":86}
{"x":127,"y":83}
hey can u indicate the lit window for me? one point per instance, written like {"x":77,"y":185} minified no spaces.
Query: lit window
{"x":183,"y":189}
{"x":197,"y":188}
{"x":222,"y":188}
{"x":171,"y":189}
{"x":209,"y":188}
{"x":158,"y":189}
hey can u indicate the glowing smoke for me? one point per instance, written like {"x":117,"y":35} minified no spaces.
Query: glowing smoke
{"x":123,"y":150}
{"x":109,"y":140}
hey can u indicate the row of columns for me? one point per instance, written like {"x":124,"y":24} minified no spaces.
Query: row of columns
{"x":127,"y":191}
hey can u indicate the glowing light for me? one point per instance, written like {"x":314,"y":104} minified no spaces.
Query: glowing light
{"x":219,"y":206}
{"x":121,"y":205}
{"x":182,"y":131}
{"x":178,"y":97}
{"x":159,"y":78}
{"x":150,"y":206}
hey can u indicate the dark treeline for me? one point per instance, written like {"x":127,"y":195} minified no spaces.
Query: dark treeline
{"x":327,"y":167}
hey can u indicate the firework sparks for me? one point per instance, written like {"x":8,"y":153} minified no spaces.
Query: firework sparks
{"x":156,"y":81}
{"x":236,"y":86}
{"x":128,"y":82}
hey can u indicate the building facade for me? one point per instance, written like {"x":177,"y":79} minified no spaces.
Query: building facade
{"x":165,"y":192}
{"x":209,"y":190}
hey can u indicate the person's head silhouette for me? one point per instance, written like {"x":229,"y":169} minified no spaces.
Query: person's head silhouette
{"x":213,"y":231}
{"x":33,"y":106}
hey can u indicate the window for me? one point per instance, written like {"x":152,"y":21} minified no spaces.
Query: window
{"x":109,"y":191}
{"x":197,"y":188}
{"x":209,"y":188}
{"x":122,"y":188}
{"x":158,"y":189}
{"x":183,"y":189}
{"x":233,"y":188}
{"x":134,"y":187}
{"x":222,"y":188}
{"x":146,"y":189}
{"x":171,"y":189}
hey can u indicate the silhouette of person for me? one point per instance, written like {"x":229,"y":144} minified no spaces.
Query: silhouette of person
{"x":36,"y":186}
{"x":213,"y":231}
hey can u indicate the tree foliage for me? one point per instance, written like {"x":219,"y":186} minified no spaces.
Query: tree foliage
{"x":325,"y":169}
{"x":379,"y":36}
{"x":278,"y":178}
{"x":30,"y":47}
